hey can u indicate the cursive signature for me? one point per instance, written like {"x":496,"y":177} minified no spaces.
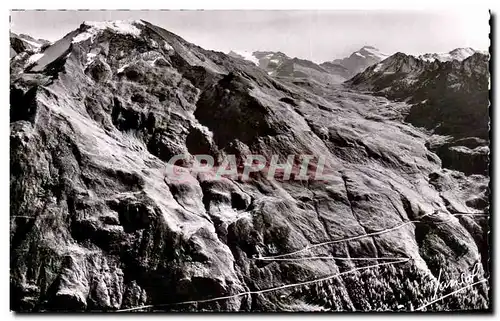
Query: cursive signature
{"x":466,"y":280}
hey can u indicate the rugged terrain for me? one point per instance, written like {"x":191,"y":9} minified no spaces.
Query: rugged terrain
{"x":448,"y":97}
{"x":99,"y":224}
{"x":458,"y":54}
{"x":337,"y":71}
{"x":24,"y":43}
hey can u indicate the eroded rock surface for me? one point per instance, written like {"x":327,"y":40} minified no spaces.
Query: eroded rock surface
{"x":99,"y":224}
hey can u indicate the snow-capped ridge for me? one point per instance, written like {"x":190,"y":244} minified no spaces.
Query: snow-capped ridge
{"x":359,"y":60}
{"x":246,"y":55}
{"x":455,"y":54}
{"x":120,"y":26}
{"x":370,"y":50}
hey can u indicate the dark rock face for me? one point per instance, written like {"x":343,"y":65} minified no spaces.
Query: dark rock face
{"x":98,"y":222}
{"x":449,"y":98}
{"x":470,"y":160}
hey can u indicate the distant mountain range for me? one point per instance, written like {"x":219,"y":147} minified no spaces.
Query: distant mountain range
{"x":336,"y":71}
{"x":441,"y":87}
{"x":448,"y":94}
{"x":456,"y":54}
{"x":281,"y":65}
{"x":21,"y":43}
{"x":278,"y":64}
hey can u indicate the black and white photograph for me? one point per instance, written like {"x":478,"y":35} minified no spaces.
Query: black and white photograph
{"x":187,"y":161}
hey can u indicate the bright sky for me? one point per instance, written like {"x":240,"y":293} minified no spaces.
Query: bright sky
{"x":315,"y":35}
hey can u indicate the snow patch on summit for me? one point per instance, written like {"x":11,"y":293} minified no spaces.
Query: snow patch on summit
{"x":375,"y":52}
{"x":120,"y":26}
{"x":247,"y":55}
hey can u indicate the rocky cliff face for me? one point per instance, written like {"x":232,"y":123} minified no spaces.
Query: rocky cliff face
{"x":99,"y":223}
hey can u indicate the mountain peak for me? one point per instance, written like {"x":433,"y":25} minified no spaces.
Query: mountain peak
{"x":92,"y":28}
{"x":465,"y":49}
{"x":111,"y":23}
{"x":369,"y":47}
{"x":372,"y":51}
{"x":361,"y":59}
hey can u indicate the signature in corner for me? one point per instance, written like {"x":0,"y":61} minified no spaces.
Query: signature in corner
{"x":466,"y":280}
